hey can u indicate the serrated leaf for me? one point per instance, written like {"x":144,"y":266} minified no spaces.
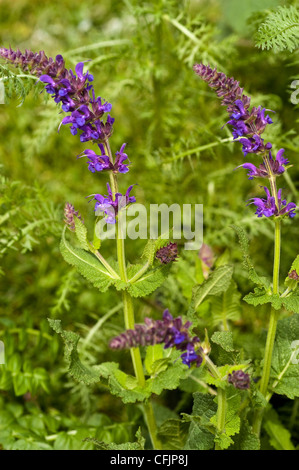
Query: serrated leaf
{"x":86,"y":264}
{"x":246,"y":439}
{"x":226,"y":307}
{"x":173,"y":434}
{"x":153,"y":354}
{"x":244,"y":244}
{"x":76,"y":369}
{"x":153,"y":245}
{"x":285,"y":360}
{"x":201,"y":432}
{"x":149,"y":282}
{"x":139,"y":445}
{"x":261,"y":297}
{"x":223,"y":339}
{"x":232,"y":419}
{"x":279,"y":436}
{"x":217,"y":283}
{"x":123,"y":385}
{"x":81,"y":234}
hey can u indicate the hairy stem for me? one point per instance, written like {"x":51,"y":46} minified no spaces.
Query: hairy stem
{"x":129,"y":317}
{"x":221,"y":413}
{"x":221,"y":397}
{"x":274,"y":315}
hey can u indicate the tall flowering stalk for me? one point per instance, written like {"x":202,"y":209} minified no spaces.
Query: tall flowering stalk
{"x":88,"y":116}
{"x":248,"y":125}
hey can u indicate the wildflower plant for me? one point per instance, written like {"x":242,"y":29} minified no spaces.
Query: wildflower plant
{"x":233,"y":393}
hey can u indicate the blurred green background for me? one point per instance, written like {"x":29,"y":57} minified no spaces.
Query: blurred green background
{"x":141,"y":55}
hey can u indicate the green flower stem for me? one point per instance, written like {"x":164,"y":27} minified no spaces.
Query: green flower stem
{"x":272,"y":328}
{"x":129,"y":315}
{"x":221,"y":396}
{"x":221,"y":412}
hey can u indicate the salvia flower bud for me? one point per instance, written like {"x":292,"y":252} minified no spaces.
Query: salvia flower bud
{"x":70,"y":213}
{"x":239,"y":379}
{"x":167,"y":254}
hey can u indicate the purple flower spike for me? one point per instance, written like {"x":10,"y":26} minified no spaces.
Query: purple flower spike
{"x":73,"y":90}
{"x":244,"y":122}
{"x":170,"y":331}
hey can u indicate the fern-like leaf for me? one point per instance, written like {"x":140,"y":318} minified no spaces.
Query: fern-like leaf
{"x":17,"y":84}
{"x":280,"y":30}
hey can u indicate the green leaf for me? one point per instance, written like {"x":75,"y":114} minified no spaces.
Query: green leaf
{"x":173,"y":434}
{"x":291,"y":303}
{"x":139,"y":445}
{"x":261,"y":297}
{"x":153,"y":245}
{"x":226,"y":306}
{"x":285,"y":360}
{"x":153,"y":354}
{"x":87,"y":265}
{"x":201,"y":432}
{"x":149,"y":282}
{"x":280,"y":30}
{"x":81,"y":234}
{"x":123,"y":385}
{"x":280,"y":437}
{"x":223,"y":339}
{"x":217,"y":283}
{"x":232,"y":419}
{"x":246,"y":439}
{"x":244,"y":244}
{"x":77,"y":370}
{"x":168,"y":378}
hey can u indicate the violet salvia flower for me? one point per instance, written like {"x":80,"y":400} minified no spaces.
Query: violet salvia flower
{"x":245,"y":122}
{"x":72,"y":89}
{"x":275,"y":167}
{"x":111,"y":206}
{"x":267,"y":207}
{"x":70,"y":213}
{"x":167,"y":254}
{"x":102,"y":162}
{"x":97,"y":162}
{"x":239,"y":379}
{"x":247,"y":126}
{"x":121,"y":157}
{"x":169,"y":330}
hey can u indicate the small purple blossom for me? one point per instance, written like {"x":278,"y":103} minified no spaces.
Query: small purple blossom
{"x":111,"y":206}
{"x":276,"y":166}
{"x":239,"y":379}
{"x":170,"y":331}
{"x":121,"y":157}
{"x":254,"y":144}
{"x":97,"y":162}
{"x":267,"y":207}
